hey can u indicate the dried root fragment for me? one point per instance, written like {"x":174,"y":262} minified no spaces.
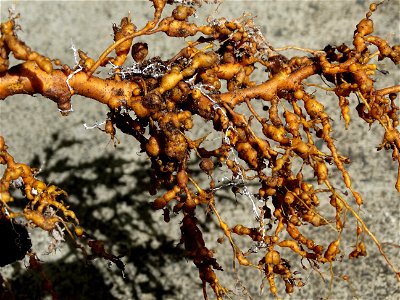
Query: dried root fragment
{"x":43,"y":208}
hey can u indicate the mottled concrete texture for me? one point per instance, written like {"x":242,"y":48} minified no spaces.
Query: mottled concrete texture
{"x":108,"y":186}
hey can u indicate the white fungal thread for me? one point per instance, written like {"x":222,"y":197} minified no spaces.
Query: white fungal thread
{"x":96,"y":125}
{"x":34,"y":192}
{"x":79,"y":68}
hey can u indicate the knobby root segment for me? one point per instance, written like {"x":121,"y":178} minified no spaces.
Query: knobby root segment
{"x":211,"y":77}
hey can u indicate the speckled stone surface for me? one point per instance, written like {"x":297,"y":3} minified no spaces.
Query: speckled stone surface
{"x":108,"y":186}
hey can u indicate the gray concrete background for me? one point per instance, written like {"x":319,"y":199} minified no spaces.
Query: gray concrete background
{"x":106,"y":184}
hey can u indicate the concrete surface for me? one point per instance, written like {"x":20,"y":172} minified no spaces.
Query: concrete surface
{"x":107,"y":185}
